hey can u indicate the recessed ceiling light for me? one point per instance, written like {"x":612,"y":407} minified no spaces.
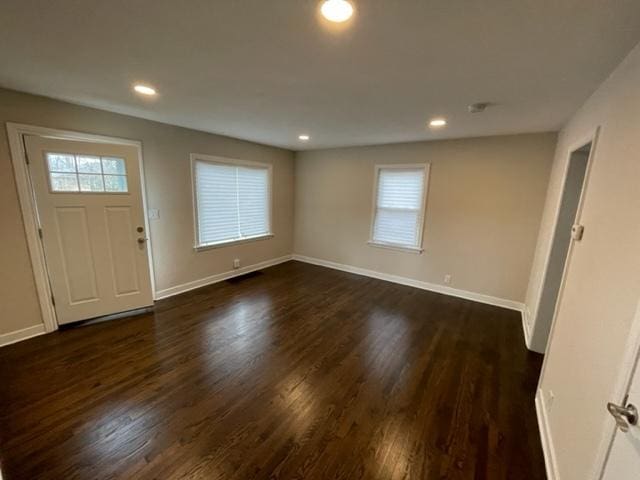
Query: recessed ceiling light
{"x":304,"y":138}
{"x":144,"y":89}
{"x":437,"y":122}
{"x":337,"y":10}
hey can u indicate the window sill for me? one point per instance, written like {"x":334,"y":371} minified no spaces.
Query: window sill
{"x":229,"y":243}
{"x":398,"y":248}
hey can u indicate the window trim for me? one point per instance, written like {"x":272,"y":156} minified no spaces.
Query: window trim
{"x":217,"y":160}
{"x":76,"y":172}
{"x":417,"y":249}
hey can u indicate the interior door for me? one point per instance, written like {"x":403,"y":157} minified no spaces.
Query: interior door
{"x":89,"y":201}
{"x":624,"y":458}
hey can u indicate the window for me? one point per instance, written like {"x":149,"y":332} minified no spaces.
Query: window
{"x":400,"y":193}
{"x":70,"y":173}
{"x":232,"y":200}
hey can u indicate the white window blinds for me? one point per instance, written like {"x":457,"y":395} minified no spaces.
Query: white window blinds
{"x":399,"y":206}
{"x":232,"y":202}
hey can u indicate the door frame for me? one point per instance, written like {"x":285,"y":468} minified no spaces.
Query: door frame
{"x":592,"y":137}
{"x":29,"y":209}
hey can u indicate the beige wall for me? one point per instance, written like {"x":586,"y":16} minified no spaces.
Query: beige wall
{"x":166,"y":160}
{"x":602,"y":282}
{"x":483,"y":210}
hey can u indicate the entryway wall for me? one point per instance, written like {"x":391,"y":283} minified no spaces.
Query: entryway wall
{"x":166,"y":152}
{"x":589,"y":335}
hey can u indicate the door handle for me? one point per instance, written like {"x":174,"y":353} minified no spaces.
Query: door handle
{"x":625,"y":416}
{"x":142,"y":240}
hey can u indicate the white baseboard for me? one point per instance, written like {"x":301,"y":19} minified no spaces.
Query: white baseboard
{"x":528,"y":336}
{"x":185,"y":287}
{"x":432,"y":287}
{"x":19,"y":335}
{"x":545,"y":438}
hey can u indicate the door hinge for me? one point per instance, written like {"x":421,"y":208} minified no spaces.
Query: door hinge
{"x":24,"y":149}
{"x":53,"y":300}
{"x":40,"y":233}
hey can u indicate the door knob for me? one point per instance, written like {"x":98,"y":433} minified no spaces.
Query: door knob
{"x":624,"y":416}
{"x":141,"y":240}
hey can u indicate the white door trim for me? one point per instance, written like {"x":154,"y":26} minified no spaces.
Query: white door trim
{"x":591,"y":137}
{"x":545,"y":433}
{"x":28,"y":207}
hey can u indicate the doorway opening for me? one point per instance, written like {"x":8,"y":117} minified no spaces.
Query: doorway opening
{"x":573,"y":187}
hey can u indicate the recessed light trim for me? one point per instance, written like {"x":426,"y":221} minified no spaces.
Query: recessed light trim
{"x":437,"y":122}
{"x":145,"y":90}
{"x":304,"y":137}
{"x":337,"y":11}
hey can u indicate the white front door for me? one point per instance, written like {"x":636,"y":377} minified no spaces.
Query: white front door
{"x":89,"y":200}
{"x":624,"y":458}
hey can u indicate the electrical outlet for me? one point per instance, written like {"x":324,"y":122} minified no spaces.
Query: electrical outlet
{"x":236,"y":263}
{"x":447,"y":279}
{"x":154,"y":214}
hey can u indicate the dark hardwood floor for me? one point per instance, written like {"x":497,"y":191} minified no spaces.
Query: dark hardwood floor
{"x":298,"y":372}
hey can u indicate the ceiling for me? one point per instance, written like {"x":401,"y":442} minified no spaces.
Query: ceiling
{"x":269,"y":70}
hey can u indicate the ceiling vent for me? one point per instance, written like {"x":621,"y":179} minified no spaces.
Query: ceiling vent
{"x":478,"y":107}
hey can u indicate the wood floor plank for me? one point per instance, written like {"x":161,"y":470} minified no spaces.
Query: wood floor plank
{"x":296,"y":372}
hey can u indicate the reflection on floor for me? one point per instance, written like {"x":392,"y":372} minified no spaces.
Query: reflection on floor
{"x":297,"y":372}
